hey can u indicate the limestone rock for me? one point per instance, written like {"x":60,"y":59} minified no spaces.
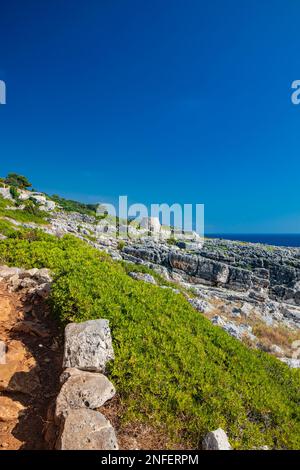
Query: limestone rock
{"x":143,"y":277}
{"x":200,"y":305}
{"x":212,"y":271}
{"x":291,"y":362}
{"x":216,"y":440}
{"x":88,"y":345}
{"x":186,"y":263}
{"x":82,"y":390}
{"x":85,"y":429}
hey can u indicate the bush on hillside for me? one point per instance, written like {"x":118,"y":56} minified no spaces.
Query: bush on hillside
{"x":74,"y":206}
{"x":18,"y":181}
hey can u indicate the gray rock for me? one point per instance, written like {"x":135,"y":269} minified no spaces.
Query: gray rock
{"x":218,"y":321}
{"x":143,"y":277}
{"x":212,"y":271}
{"x":216,"y":440}
{"x":235,"y":312}
{"x":7,"y":273}
{"x":82,"y":389}
{"x":88,"y":345}
{"x":276,"y":350}
{"x":85,"y":429}
{"x":292,"y":363}
{"x":200,"y":305}
{"x":186,"y":263}
{"x":151,"y":223}
{"x":246,"y":309}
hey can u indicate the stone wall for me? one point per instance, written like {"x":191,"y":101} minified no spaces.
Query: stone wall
{"x":74,"y":420}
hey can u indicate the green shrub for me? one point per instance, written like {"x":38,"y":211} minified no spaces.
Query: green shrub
{"x":74,"y":206}
{"x":14,"y":193}
{"x":173,"y":368}
{"x":18,"y":181}
{"x":121,"y":244}
{"x":7,"y":228}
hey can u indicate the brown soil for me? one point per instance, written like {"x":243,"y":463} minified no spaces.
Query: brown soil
{"x":29,"y":378}
{"x":137,"y":435}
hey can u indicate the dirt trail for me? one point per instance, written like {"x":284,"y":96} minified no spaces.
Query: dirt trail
{"x":29,"y":375}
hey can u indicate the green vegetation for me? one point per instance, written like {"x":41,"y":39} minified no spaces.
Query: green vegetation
{"x":121,"y":244}
{"x":7,"y":228}
{"x":14,"y":192}
{"x":173,"y":369}
{"x":17,"y":181}
{"x":171,"y":241}
{"x":30,"y":213}
{"x":69,"y":205}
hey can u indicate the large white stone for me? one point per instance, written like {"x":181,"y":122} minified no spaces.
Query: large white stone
{"x":88,"y":345}
{"x":216,"y":440}
{"x":86,"y":429}
{"x":82,"y":390}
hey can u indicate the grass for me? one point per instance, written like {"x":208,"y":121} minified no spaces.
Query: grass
{"x":173,"y":369}
{"x":7,"y":228}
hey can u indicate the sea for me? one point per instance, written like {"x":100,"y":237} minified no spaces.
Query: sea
{"x":287,"y":239}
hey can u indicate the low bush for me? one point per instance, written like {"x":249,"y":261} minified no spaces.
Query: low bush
{"x":7,"y":228}
{"x":14,"y":193}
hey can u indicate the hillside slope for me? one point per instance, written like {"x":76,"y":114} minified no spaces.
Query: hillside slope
{"x":173,"y":368}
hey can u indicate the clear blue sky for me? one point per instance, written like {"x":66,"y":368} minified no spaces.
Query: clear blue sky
{"x":165,"y":100}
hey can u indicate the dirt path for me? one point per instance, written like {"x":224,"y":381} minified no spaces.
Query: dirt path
{"x":30,"y":372}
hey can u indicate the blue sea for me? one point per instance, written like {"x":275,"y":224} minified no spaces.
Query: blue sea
{"x":289,"y":239}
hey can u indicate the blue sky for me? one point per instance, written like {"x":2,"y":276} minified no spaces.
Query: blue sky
{"x":183,"y":101}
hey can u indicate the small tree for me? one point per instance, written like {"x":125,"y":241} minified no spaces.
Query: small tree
{"x":18,"y":181}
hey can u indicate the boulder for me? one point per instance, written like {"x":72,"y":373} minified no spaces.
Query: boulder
{"x":291,"y":362}
{"x":88,"y":345}
{"x":7,"y":273}
{"x":82,"y":390}
{"x":85,"y":429}
{"x":216,"y":440}
{"x":218,"y":321}
{"x":239,"y":279}
{"x":200,"y":305}
{"x":152,"y":224}
{"x":186,"y":263}
{"x":212,"y":271}
{"x":143,"y":277}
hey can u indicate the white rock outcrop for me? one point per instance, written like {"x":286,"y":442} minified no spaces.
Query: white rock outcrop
{"x":88,"y":345}
{"x":85,"y":429}
{"x":216,"y":440}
